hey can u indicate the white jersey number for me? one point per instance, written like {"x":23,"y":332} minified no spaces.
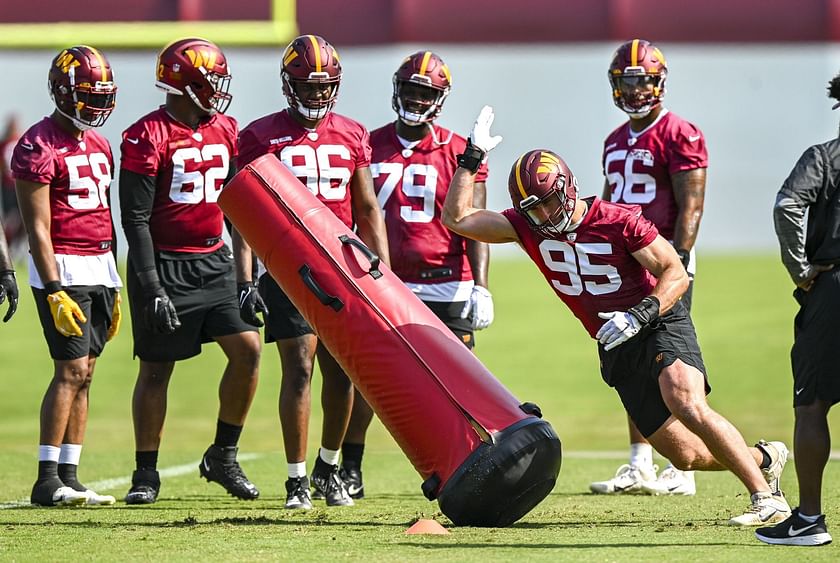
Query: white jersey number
{"x":317,"y":170}
{"x":89,"y":191}
{"x":623,"y":183}
{"x":576,"y":265}
{"x":407,"y":178}
{"x":195,"y":187}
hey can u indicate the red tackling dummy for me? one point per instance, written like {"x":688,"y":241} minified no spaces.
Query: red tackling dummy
{"x":486,"y":458}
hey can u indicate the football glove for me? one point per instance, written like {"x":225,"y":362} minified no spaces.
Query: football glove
{"x":619,"y":328}
{"x":116,"y":318}
{"x":480,"y":135}
{"x":65,"y":311}
{"x":250,"y":303}
{"x":159,"y":314}
{"x":9,"y":289}
{"x":479,"y":308}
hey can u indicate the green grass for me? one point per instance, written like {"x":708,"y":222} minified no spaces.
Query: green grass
{"x":743,"y":313}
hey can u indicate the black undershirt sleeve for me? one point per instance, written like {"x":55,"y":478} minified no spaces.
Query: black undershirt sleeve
{"x":137,"y":195}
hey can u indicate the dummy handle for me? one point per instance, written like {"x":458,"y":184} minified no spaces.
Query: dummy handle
{"x":374,"y":260}
{"x":325,"y":298}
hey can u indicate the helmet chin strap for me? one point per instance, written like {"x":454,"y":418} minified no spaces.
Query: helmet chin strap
{"x":402,"y":115}
{"x":313,"y":114}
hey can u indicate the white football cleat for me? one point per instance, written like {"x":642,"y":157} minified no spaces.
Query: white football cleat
{"x":628,"y":480}
{"x":95,"y":499}
{"x":671,"y":481}
{"x":765,"y":508}
{"x":779,"y":454}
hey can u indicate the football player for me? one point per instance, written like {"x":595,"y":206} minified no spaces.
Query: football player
{"x":623,"y":281}
{"x":62,"y":169}
{"x":8,"y":283}
{"x":181,"y":274}
{"x":330,"y":154}
{"x":412,"y":164}
{"x":656,"y":160}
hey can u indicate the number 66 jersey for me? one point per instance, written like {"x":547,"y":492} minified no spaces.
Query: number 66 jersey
{"x":190,"y":167}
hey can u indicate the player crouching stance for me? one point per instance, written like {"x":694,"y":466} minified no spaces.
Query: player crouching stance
{"x":623,"y":281}
{"x":62,"y":170}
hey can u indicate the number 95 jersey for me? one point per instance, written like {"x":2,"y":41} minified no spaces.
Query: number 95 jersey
{"x":78,"y":174}
{"x":190,"y":168}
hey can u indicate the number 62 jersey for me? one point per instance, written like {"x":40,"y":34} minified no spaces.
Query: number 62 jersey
{"x":190,"y":167}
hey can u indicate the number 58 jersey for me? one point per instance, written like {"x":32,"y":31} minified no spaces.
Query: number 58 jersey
{"x":190,"y":167}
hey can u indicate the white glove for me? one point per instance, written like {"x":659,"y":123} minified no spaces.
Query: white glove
{"x":619,"y":328}
{"x":479,"y":308}
{"x":480,"y":134}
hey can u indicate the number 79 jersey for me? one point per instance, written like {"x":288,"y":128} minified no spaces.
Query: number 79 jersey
{"x":190,"y":168}
{"x":78,"y":174}
{"x":592,"y":268}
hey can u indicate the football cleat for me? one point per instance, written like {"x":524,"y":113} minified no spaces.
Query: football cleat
{"x":52,"y":492}
{"x":219,"y":465}
{"x":671,"y":481}
{"x":765,"y":508}
{"x":297,"y":494}
{"x":95,"y":499}
{"x":352,"y":478}
{"x":628,"y":480}
{"x":796,"y":531}
{"x":326,"y":481}
{"x":145,"y":487}
{"x":778,"y":454}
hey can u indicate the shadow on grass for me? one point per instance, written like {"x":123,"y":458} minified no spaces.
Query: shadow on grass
{"x":531,"y":545}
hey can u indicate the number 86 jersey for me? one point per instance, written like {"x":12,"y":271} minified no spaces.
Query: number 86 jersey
{"x":190,"y":167}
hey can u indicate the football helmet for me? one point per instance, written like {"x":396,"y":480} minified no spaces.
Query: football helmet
{"x":81,"y":85}
{"x":197,"y":68}
{"x":543,"y":191}
{"x":432,"y":81}
{"x":310,"y":60}
{"x":637,"y":75}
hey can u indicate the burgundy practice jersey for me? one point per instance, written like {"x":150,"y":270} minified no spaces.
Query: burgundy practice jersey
{"x":324,"y":160}
{"x":190,"y":167}
{"x":638,"y":166}
{"x":79,"y":176}
{"x":411,"y":186}
{"x":591,"y":268}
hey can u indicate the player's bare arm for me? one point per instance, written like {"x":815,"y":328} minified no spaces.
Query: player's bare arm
{"x":478,"y":253}
{"x":462,"y":217}
{"x":607,"y":192}
{"x":34,"y":201}
{"x":661,"y":260}
{"x":242,"y":256}
{"x":689,"y":191}
{"x":368,"y":215}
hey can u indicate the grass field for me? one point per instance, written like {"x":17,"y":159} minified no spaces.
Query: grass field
{"x":743,"y":312}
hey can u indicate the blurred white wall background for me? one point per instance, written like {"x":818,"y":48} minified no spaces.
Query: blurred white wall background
{"x":760,"y":106}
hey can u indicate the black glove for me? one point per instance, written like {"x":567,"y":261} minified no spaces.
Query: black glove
{"x":9,"y":288}
{"x":159,"y":314}
{"x":250,"y":303}
{"x":685,"y":257}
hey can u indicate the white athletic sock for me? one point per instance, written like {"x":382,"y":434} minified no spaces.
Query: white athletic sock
{"x":809,"y":519}
{"x":330,"y":457}
{"x":296,"y":470}
{"x":641,"y":455}
{"x":70,"y":453}
{"x":48,"y":453}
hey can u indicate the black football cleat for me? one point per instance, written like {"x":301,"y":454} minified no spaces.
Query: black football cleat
{"x":219,"y":465}
{"x":297,"y":494}
{"x":145,"y":487}
{"x":796,"y":531}
{"x":352,"y":478}
{"x":325,"y":480}
{"x":52,"y":492}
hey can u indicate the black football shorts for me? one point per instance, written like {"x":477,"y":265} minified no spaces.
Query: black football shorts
{"x":283,"y":320}
{"x":816,"y":348}
{"x":450,"y":314}
{"x":202,"y":288}
{"x":633,"y":368}
{"x":97,"y":303}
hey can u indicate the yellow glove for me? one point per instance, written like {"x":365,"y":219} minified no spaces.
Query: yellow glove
{"x":63,"y":310}
{"x":116,"y":318}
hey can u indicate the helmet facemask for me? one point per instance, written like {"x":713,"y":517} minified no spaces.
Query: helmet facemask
{"x":551,"y":215}
{"x":637,"y":93}
{"x":219,"y":100}
{"x":313,"y":107}
{"x":416,"y":101}
{"x":85,"y":105}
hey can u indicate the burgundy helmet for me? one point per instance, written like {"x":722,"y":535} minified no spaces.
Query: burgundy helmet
{"x":427,"y":70}
{"x":196,"y":68}
{"x":310,"y":59}
{"x":544,"y":191}
{"x":81,"y":85}
{"x":636,"y":66}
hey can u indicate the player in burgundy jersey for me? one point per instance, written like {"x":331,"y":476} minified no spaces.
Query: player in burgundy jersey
{"x":656,"y":160}
{"x":8,"y":283}
{"x":330,"y":155}
{"x":412,"y":165}
{"x":62,"y":170}
{"x":181,"y":275}
{"x":623,"y":281}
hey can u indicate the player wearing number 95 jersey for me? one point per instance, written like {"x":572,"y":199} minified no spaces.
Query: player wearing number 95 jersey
{"x":62,"y":169}
{"x":330,"y":155}
{"x":181,"y":281}
{"x":623,"y":281}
